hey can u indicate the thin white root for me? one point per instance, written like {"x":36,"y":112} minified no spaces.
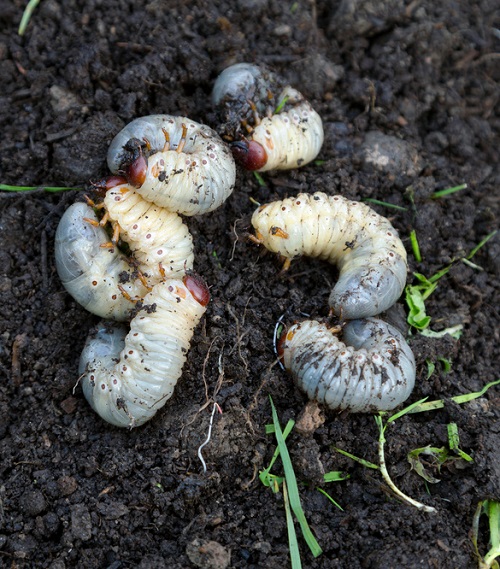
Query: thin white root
{"x":390,"y":483}
{"x":209,"y":436}
{"x":216,"y":406}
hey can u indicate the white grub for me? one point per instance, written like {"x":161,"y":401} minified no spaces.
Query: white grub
{"x":365,"y":247}
{"x":97,"y":277}
{"x":159,"y":241}
{"x":128,"y":377}
{"x":292,"y":137}
{"x":189,"y":169}
{"x":372,"y":369}
{"x":287,"y":128}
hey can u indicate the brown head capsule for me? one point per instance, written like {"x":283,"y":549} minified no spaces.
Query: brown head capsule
{"x":197,"y":288}
{"x":136,"y":171}
{"x":250,"y":154}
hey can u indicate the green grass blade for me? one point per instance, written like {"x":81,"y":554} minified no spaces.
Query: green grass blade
{"x":454,"y":442}
{"x":406,"y":410}
{"x":255,"y":202}
{"x":474,"y":534}
{"x":446,"y":365}
{"x":7,"y":188}
{"x":494,"y":519}
{"x":385,"y":204}
{"x":471,"y":264}
{"x":422,"y":278}
{"x":453,"y":437}
{"x":28,"y":11}
{"x":415,"y":246}
{"x":271,"y":480}
{"x":464,"y":456}
{"x":330,"y":498}
{"x":439,"y":274}
{"x":260,"y":180}
{"x":293,"y":488}
{"x":439,"y":404}
{"x":270,"y":429}
{"x":265,"y":477}
{"x":492,"y":510}
{"x":293,"y":544}
{"x":448,"y":191}
{"x":335,"y":476}
{"x":281,"y":105}
{"x":470,"y":396}
{"x":427,"y":291}
{"x":357,"y":459}
{"x":431,"y":366}
{"x":481,"y":243}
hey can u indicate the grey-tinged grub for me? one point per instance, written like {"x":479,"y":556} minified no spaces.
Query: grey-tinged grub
{"x":371,"y":369}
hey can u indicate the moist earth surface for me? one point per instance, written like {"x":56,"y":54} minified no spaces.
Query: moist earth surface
{"x":408,"y":93}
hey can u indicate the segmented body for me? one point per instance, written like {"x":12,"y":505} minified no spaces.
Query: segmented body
{"x":190,"y":176}
{"x":158,"y":239}
{"x":95,"y":276}
{"x":128,"y":377}
{"x":286,"y":136}
{"x":366,"y":248}
{"x":373,"y":369}
{"x":291,"y":138}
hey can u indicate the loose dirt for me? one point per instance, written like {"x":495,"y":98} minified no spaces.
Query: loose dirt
{"x":417,"y":82}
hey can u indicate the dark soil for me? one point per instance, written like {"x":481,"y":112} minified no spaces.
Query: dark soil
{"x":76,"y":492}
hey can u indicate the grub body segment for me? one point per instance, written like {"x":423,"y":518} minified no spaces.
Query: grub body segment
{"x":158,"y":239}
{"x":371,"y":258}
{"x":128,"y":377}
{"x":188,"y":168}
{"x":257,"y":109}
{"x":97,"y":277}
{"x":370,"y":369}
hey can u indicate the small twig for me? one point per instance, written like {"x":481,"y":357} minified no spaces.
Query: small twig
{"x":235,"y":241}
{"x":78,"y":381}
{"x":220,"y":379}
{"x":275,"y":340}
{"x":20,"y":342}
{"x":255,"y":399}
{"x":207,"y":399}
{"x":239,"y":335}
{"x":217,"y":387}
